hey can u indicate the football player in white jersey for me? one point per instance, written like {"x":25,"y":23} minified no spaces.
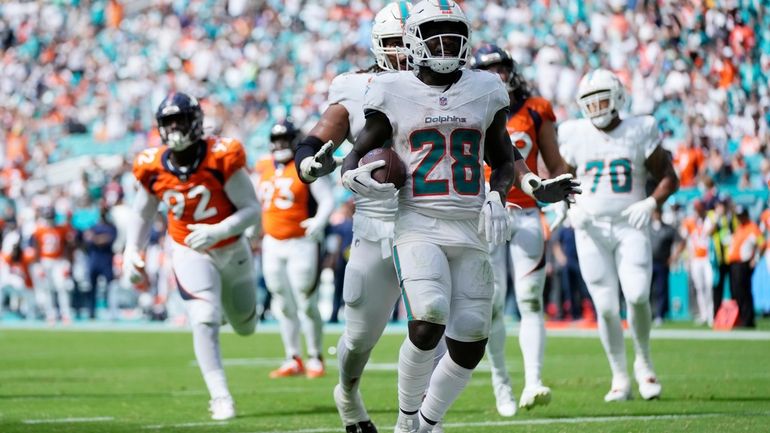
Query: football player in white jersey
{"x":443,"y":122}
{"x":531,"y":127}
{"x":370,"y":286}
{"x":613,"y":157}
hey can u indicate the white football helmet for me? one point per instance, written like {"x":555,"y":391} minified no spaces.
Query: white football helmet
{"x":428,"y":11}
{"x":595,"y":87}
{"x":389,"y":23}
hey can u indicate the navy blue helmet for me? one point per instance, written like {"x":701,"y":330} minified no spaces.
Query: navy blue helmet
{"x":180,"y":121}
{"x":489,"y":55}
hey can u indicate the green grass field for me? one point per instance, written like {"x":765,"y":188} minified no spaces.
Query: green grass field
{"x":85,"y":381}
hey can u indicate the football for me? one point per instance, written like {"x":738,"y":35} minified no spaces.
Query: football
{"x":394,"y":170}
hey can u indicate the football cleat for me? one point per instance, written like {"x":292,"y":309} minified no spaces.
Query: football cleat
{"x":351,"y":409}
{"x":531,"y":396}
{"x":407,"y":423}
{"x":290,"y":367}
{"x":620,"y":391}
{"x":222,"y":408}
{"x":438,"y":428}
{"x":315,"y":368}
{"x":649,"y":387}
{"x":361,"y":427}
{"x":506,"y":402}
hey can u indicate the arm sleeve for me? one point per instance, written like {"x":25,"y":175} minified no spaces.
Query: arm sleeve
{"x":652,"y":137}
{"x":375,"y":99}
{"x":498,"y":99}
{"x":240,"y":191}
{"x":565,"y":149}
{"x":138,"y":229}
{"x":324,"y":196}
{"x":234,"y":160}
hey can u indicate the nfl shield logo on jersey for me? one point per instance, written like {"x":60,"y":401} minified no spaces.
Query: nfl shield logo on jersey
{"x":442,"y":101}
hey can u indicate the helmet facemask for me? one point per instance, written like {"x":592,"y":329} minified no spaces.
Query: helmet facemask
{"x":441,"y":46}
{"x":282,"y":143}
{"x":178,"y":130}
{"x":389,"y":52}
{"x":599,"y":107}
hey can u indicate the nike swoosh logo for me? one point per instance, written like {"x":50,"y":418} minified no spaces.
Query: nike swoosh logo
{"x":240,"y":262}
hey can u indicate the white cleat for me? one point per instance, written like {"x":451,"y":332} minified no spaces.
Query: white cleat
{"x":649,"y":387}
{"x":505,"y":401}
{"x":222,"y":408}
{"x":531,"y":396}
{"x":620,"y":391}
{"x":407,"y":423}
{"x":350,"y":407}
{"x":438,"y":428}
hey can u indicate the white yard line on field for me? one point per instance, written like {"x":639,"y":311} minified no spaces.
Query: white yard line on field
{"x":67,"y":420}
{"x":186,"y":424}
{"x":542,"y":421}
{"x":273,"y":362}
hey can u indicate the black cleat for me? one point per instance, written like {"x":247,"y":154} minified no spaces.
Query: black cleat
{"x":361,"y":427}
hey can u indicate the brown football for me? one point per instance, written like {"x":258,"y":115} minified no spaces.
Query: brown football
{"x":394,"y":170}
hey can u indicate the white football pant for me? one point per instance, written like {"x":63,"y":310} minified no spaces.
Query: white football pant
{"x":290,"y":268}
{"x":612,"y":254}
{"x":702,"y":276}
{"x":52,"y":276}
{"x":527,"y":250}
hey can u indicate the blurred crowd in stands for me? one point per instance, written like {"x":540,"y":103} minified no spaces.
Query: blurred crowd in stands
{"x":83,"y":77}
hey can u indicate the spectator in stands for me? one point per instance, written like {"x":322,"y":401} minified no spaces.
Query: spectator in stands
{"x":666,"y":247}
{"x":98,"y":242}
{"x":747,"y":243}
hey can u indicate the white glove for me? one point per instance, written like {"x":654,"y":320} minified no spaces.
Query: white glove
{"x":558,"y":189}
{"x":493,"y":220}
{"x":203,"y":236}
{"x":133,"y":268}
{"x":321,"y":164}
{"x":560,"y":211}
{"x":314,"y":228}
{"x":360,"y":181}
{"x":639,"y":213}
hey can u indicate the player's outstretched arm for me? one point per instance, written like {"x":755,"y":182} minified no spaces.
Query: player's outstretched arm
{"x":377,"y":131}
{"x":143,"y":212}
{"x":324,"y":196}
{"x":314,"y":155}
{"x":662,"y":170}
{"x":549,"y":150}
{"x":503,"y":158}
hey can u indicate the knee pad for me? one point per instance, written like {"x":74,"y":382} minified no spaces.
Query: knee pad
{"x":353,"y":289}
{"x":203,"y":312}
{"x":470,"y":325}
{"x":425,"y":335}
{"x":466,"y":355}
{"x":529,"y":297}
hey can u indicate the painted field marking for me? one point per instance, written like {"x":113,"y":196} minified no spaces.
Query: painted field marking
{"x":68,"y":420}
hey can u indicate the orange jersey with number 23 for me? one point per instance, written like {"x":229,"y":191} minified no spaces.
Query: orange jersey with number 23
{"x":195,"y":197}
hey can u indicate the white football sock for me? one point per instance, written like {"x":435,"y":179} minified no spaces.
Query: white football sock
{"x":206,"y":346}
{"x":446,"y":383}
{"x":439,"y":352}
{"x":496,"y":352}
{"x":351,"y":365}
{"x":640,"y":319}
{"x":288,"y":324}
{"x":414,"y":369}
{"x":532,"y":343}
{"x":611,"y":335}
{"x":312,"y":325}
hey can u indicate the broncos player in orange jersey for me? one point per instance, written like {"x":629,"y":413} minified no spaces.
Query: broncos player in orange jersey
{"x":531,"y":127}
{"x":210,"y":199}
{"x":294,"y":216}
{"x":53,"y":244}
